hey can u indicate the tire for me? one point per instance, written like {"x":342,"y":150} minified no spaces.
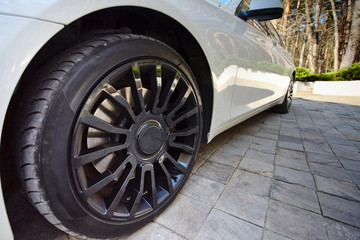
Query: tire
{"x":285,"y":106}
{"x":111,"y":135}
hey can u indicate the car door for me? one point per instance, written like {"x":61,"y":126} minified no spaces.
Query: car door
{"x":261,"y":66}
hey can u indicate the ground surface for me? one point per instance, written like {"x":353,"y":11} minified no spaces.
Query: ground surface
{"x":293,"y":176}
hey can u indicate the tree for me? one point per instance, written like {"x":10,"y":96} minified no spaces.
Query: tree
{"x":316,"y":33}
{"x":321,"y":34}
{"x":354,"y":37}
{"x":336,"y":36}
{"x":309,"y":36}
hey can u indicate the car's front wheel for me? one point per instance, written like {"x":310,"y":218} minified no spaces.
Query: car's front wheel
{"x":111,"y":135}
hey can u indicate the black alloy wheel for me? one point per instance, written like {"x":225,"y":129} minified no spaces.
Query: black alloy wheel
{"x":135,"y":139}
{"x":111,"y":135}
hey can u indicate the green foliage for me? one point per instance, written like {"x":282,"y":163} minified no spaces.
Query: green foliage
{"x":350,"y":73}
{"x":345,"y":74}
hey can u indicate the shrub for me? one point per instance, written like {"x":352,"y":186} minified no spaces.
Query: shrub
{"x":345,"y":74}
{"x":350,"y":73}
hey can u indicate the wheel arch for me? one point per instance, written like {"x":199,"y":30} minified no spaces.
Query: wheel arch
{"x":137,"y":20}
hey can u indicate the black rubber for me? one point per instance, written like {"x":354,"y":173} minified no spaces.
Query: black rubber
{"x":46,"y":136}
{"x":285,"y":106}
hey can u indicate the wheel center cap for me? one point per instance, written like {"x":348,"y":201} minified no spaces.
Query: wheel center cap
{"x":149,"y":137}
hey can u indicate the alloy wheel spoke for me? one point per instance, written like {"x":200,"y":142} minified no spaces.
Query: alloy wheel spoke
{"x":121,"y":101}
{"x":167,"y":93}
{"x":154,"y":198}
{"x":137,"y":90}
{"x":97,"y":123}
{"x":182,"y":146}
{"x":180,"y":167}
{"x":118,"y":192}
{"x":139,"y":188}
{"x":166,"y":172}
{"x":182,"y":116}
{"x":104,"y":179}
{"x":97,"y":153}
{"x":179,"y":102}
{"x":155,"y":89}
{"x":183,"y":133}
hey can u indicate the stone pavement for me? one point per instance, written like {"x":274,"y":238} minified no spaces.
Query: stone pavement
{"x":292,"y":176}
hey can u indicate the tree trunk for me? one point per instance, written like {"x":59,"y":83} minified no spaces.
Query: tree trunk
{"x":316,"y":33}
{"x":354,"y":37}
{"x":326,"y":58}
{"x":301,"y":61}
{"x":297,"y":32}
{"x":336,"y":36}
{"x":309,"y":34}
{"x":285,"y":23}
{"x":346,"y":27}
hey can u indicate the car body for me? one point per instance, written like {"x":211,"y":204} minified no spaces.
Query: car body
{"x":240,"y":70}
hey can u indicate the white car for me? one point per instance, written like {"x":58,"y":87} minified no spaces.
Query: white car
{"x":104,"y":103}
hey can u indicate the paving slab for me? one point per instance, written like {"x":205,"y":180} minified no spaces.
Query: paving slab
{"x":294,"y":222}
{"x":330,"y":172}
{"x":215,"y":171}
{"x":295,"y":195}
{"x":349,"y":132}
{"x":258,"y":162}
{"x":243,"y":138}
{"x":340,"y":209}
{"x":203,"y":189}
{"x":337,"y":231}
{"x":250,"y":183}
{"x":185,"y":216}
{"x":350,"y":164}
{"x":198,"y":163}
{"x":345,"y":151}
{"x":220,"y":225}
{"x":289,"y":123}
{"x":338,"y":188}
{"x":226,"y":158}
{"x":356,"y":144}
{"x":297,"y":164}
{"x":269,"y":235}
{"x":246,"y":206}
{"x":290,"y":131}
{"x":323,"y":159}
{"x":263,"y":145}
{"x":248,"y":128}
{"x":294,"y":176}
{"x":267,"y":135}
{"x":355,"y":176}
{"x":235,"y":146}
{"x":273,"y":119}
{"x":290,"y":145}
{"x":317,"y":147}
{"x":270,"y":129}
{"x":291,"y":154}
{"x":154,"y":231}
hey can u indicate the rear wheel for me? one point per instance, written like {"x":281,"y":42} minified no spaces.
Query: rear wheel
{"x":111,"y":135}
{"x":286,"y":104}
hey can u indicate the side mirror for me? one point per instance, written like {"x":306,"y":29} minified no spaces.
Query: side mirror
{"x":263,"y":10}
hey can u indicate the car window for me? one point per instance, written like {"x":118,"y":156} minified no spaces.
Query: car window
{"x":269,"y":29}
